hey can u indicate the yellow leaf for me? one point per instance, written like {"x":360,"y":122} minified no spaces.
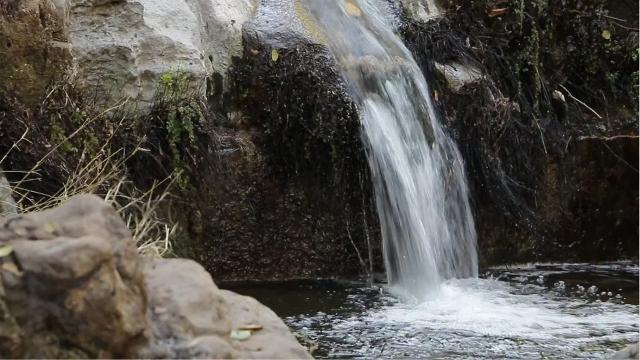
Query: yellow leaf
{"x":12,"y":268}
{"x":274,"y":55}
{"x":352,"y":9}
{"x":5,"y":250}
{"x":606,"y":34}
{"x":50,"y":228}
{"x":240,"y":335}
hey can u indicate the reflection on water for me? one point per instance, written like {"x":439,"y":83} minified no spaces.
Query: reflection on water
{"x":537,"y":311}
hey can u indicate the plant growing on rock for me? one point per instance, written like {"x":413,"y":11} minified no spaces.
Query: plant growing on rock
{"x":180,"y":111}
{"x":82,"y":151}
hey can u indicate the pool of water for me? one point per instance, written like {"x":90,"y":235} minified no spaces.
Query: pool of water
{"x":537,"y":311}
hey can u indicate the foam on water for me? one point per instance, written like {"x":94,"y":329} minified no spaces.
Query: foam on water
{"x":478,"y":318}
{"x":488,"y":307}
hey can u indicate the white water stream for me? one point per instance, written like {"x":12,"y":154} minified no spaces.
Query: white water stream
{"x":421,"y":192}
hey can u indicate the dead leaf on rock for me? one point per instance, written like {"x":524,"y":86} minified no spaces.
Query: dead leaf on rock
{"x":5,"y":250}
{"x":251,"y":327}
{"x":50,"y":228}
{"x":240,"y":335}
{"x":12,"y":268}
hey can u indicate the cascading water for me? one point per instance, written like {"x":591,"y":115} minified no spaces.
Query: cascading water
{"x":419,"y":180}
{"x":539,"y":311}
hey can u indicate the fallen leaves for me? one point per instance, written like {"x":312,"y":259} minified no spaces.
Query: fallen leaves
{"x":12,"y":268}
{"x":240,"y":335}
{"x":251,"y":327}
{"x":5,"y":250}
{"x":244,"y":332}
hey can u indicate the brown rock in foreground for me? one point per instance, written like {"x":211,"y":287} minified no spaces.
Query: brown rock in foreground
{"x":73,"y":285}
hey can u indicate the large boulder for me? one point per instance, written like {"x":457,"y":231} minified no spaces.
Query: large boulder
{"x":73,"y":285}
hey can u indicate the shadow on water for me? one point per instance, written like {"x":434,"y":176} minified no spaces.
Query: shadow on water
{"x":310,"y":297}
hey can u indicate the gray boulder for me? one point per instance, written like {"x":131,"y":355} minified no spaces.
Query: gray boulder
{"x":73,"y":285}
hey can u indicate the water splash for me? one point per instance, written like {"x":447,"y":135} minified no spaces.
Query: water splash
{"x":421,"y":193}
{"x":473,"y":319}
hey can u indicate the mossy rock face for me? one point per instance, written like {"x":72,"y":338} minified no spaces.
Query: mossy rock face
{"x":309,"y":121}
{"x":550,"y":179}
{"x":33,"y":48}
{"x":291,"y":198}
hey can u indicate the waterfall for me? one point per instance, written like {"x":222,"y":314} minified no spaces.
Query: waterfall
{"x":418,"y":175}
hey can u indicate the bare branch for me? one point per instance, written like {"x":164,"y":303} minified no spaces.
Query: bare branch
{"x":580,"y":101}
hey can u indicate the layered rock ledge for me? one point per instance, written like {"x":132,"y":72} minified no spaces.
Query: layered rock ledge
{"x":72,"y":284}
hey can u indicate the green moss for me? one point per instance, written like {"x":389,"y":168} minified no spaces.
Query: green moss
{"x":59,"y":137}
{"x":180,"y":114}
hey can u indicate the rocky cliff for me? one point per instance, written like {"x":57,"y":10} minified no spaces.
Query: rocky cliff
{"x":122,"y":48}
{"x":542,"y":98}
{"x":241,"y":104}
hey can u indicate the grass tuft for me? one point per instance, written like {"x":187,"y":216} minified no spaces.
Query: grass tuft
{"x":98,"y":166}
